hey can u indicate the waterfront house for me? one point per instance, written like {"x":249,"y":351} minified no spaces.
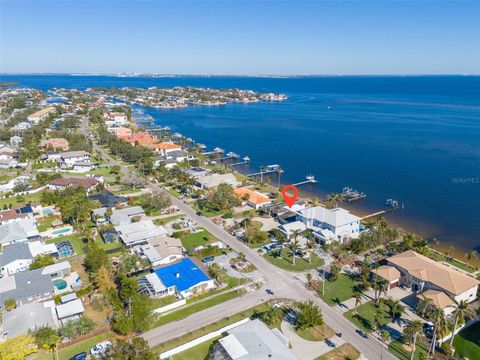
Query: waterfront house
{"x":330,"y":225}
{"x":116,"y":119}
{"x":183,"y":278}
{"x":165,"y":148}
{"x":387,"y":273}
{"x":120,"y":132}
{"x":196,"y":172}
{"x":252,"y":198}
{"x":213,"y":180}
{"x":420,"y":273}
{"x":40,"y":115}
{"x":289,"y":228}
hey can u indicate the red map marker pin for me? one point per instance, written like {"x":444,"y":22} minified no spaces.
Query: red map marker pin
{"x":290,"y":199}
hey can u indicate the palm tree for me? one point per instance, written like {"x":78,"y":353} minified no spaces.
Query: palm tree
{"x":311,"y":244}
{"x":377,"y":318}
{"x":396,"y":309}
{"x":293,"y":247}
{"x":424,"y":304}
{"x":449,"y":253}
{"x":440,"y":326}
{"x":295,"y":234}
{"x":357,"y":295}
{"x":262,"y":170}
{"x":334,"y":198}
{"x":471,"y":255}
{"x":411,"y":332}
{"x":462,"y":312}
{"x":279,"y":171}
{"x":309,"y":278}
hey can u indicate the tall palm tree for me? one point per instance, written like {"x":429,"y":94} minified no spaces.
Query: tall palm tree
{"x":411,"y":332}
{"x":311,"y":244}
{"x":279,"y":171}
{"x":424,"y":304}
{"x":262,"y":170}
{"x":396,"y":309}
{"x":309,"y":278}
{"x":440,"y":326}
{"x":462,"y":312}
{"x":377,"y":319}
{"x":293,"y":247}
{"x":357,"y":295}
{"x":295,"y":234}
{"x":335,"y":198}
{"x":471,"y":255}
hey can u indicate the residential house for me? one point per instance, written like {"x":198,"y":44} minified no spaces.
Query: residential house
{"x":15,"y":258}
{"x":161,"y":250}
{"x":120,"y":132}
{"x":290,"y":228}
{"x":18,"y":231}
{"x":108,"y":200}
{"x":70,"y":158}
{"x":252,"y":340}
{"x":213,"y":180}
{"x":196,"y":172}
{"x":59,"y":269}
{"x":252,"y":198}
{"x":387,"y":273}
{"x":124,"y":216}
{"x":16,"y":140}
{"x":22,"y":126}
{"x":26,"y":287}
{"x":116,"y":119}
{"x":27,"y":317}
{"x":420,"y":274}
{"x":40,"y":115}
{"x":15,"y":214}
{"x":63,"y":183}
{"x":138,"y":233}
{"x":165,"y":148}
{"x":70,"y":311}
{"x":183,"y":278}
{"x":330,"y":225}
{"x":55,"y":144}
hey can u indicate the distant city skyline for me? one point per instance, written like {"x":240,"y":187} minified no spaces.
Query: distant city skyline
{"x":241,"y":38}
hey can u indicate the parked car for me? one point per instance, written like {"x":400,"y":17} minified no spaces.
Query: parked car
{"x":79,"y":356}
{"x":101,"y":349}
{"x":207,"y":259}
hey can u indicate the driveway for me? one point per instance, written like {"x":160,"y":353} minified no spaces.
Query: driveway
{"x":224,"y":262}
{"x":305,"y":349}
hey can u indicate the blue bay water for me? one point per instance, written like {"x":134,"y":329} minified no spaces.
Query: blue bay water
{"x":415,"y":139}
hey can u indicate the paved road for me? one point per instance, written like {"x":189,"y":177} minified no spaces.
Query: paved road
{"x":283,"y":283}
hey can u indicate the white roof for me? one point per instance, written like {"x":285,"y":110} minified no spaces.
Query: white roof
{"x":70,"y":308}
{"x":123,"y":215}
{"x":156,"y":283}
{"x":18,"y":230}
{"x":39,"y":248}
{"x":335,"y":217}
{"x":296,"y":225}
{"x":214,"y":180}
{"x":54,"y":268}
{"x":139,"y":231}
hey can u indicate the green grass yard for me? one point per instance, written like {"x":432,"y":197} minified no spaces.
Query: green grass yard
{"x":467,"y":342}
{"x":75,"y":239}
{"x":285,"y":261}
{"x":46,"y":223}
{"x":397,"y":348}
{"x":366,"y":313}
{"x":337,"y":291}
{"x":161,"y":222}
{"x":24,"y":199}
{"x":199,"y":352}
{"x":200,"y":238}
{"x":183,"y":312}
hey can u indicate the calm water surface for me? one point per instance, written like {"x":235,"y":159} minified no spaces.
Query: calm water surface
{"x":415,"y":139}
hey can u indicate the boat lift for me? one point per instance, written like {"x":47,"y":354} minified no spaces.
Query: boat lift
{"x":246,"y":160}
{"x":309,"y":179}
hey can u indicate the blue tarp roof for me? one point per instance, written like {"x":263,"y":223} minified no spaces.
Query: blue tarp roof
{"x":189,"y":275}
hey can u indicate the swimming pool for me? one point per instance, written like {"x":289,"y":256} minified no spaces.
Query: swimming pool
{"x":61,"y":231}
{"x":59,"y":284}
{"x":47,"y":211}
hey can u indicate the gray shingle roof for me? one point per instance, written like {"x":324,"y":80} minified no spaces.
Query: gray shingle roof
{"x":13,"y":252}
{"x":26,"y":317}
{"x":25,"y":285}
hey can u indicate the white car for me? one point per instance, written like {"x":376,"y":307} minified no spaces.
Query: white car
{"x":100,"y":349}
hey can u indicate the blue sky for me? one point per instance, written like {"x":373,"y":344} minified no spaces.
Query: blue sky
{"x":226,"y":37}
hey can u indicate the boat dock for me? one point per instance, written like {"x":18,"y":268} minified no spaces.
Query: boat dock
{"x":266,"y":170}
{"x":349,"y":194}
{"x":246,"y":160}
{"x":378,"y":213}
{"x":309,"y":179}
{"x":214,"y":151}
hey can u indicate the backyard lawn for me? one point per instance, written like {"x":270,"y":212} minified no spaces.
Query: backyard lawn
{"x":337,"y":291}
{"x":163,"y":301}
{"x":69,"y":351}
{"x":75,"y":239}
{"x":344,"y":351}
{"x":285,"y":261}
{"x":467,"y":342}
{"x":45,"y":223}
{"x":24,"y":199}
{"x":398,"y":349}
{"x":200,"y":238}
{"x":366,"y":313}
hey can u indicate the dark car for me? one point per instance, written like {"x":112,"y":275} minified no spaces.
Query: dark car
{"x":79,"y":356}
{"x":207,"y":259}
{"x":362,"y":334}
{"x":198,"y":213}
